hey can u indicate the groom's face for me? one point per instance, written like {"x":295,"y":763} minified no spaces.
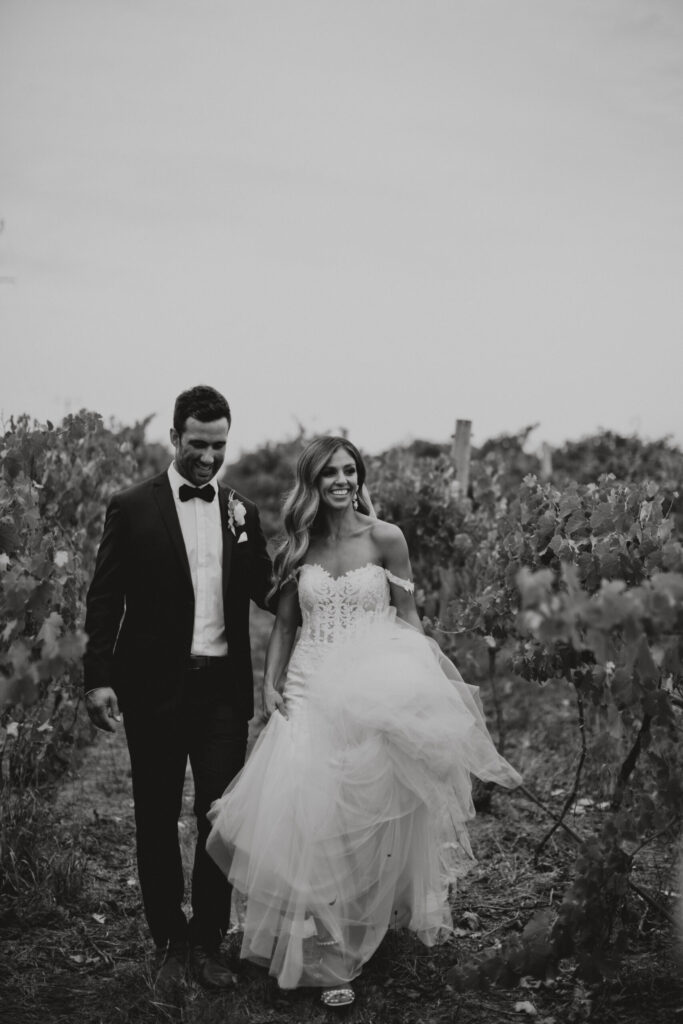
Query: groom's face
{"x":200,"y":449}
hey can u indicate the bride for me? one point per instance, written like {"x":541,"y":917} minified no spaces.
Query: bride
{"x":349,"y":816}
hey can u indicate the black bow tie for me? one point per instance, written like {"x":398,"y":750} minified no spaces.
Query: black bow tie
{"x":205,"y":493}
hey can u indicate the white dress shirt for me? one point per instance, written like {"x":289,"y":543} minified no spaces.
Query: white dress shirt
{"x":200,"y":523}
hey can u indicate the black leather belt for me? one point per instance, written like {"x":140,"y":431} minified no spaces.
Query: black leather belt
{"x":199,"y":661}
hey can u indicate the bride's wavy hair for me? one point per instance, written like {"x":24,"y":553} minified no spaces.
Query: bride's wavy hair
{"x":301,"y":513}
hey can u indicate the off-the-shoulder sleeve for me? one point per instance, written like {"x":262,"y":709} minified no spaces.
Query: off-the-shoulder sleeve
{"x":404,"y":584}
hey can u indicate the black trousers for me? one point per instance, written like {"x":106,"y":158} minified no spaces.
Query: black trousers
{"x":208,"y":730}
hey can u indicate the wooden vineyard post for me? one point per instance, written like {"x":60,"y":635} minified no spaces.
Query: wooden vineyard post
{"x":546,"y":461}
{"x":461,"y":454}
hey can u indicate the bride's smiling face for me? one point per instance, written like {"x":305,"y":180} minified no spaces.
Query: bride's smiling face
{"x":338,"y":480}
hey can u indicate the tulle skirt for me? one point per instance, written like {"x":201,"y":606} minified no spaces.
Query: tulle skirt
{"x":350,"y":814}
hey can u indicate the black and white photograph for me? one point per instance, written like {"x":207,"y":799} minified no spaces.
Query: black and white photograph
{"x":341,"y":511}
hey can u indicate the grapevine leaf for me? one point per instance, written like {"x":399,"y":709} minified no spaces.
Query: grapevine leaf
{"x":9,"y":629}
{"x":602,"y":518}
{"x":644,"y":662}
{"x":569,"y":503}
{"x":623,"y":689}
{"x":9,"y":538}
{"x":49,"y":633}
{"x":577,"y":524}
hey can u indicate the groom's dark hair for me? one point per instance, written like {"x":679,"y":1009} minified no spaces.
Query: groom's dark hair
{"x":202,"y":403}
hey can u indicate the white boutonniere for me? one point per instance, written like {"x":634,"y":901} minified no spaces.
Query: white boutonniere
{"x":237,"y":515}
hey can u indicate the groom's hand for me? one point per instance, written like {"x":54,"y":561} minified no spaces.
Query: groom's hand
{"x":102,"y":706}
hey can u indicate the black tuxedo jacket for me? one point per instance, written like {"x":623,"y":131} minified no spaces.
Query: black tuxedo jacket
{"x":140,"y":605}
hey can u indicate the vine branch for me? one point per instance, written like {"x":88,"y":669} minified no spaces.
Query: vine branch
{"x":656,"y":835}
{"x":643,"y":893}
{"x":630,"y":762}
{"x":577,"y":776}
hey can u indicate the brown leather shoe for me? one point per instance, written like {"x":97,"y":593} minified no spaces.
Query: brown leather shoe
{"x":208,"y":969}
{"x":172,"y":971}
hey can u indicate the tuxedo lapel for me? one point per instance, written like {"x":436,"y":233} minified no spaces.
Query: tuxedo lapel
{"x":166,"y":504}
{"x":228,"y":536}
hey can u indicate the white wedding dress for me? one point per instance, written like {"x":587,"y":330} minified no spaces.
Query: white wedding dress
{"x":349,"y":816}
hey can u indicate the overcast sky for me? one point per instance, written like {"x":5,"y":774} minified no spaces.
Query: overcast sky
{"x":377,"y":214}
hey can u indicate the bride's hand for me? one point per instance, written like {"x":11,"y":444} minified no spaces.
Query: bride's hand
{"x":273,"y":701}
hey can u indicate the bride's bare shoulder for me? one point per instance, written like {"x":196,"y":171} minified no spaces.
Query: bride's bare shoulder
{"x":388,"y":537}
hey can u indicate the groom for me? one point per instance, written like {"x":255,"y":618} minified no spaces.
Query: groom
{"x":168,"y":626}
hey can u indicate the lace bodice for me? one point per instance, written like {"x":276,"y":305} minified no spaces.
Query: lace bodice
{"x":337,"y":608}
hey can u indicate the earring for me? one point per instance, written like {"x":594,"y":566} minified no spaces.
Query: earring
{"x":354,"y":500}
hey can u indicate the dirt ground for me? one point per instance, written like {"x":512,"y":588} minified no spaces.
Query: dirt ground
{"x":80,"y":952}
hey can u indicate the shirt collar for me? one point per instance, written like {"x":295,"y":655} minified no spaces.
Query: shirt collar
{"x":176,"y":481}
